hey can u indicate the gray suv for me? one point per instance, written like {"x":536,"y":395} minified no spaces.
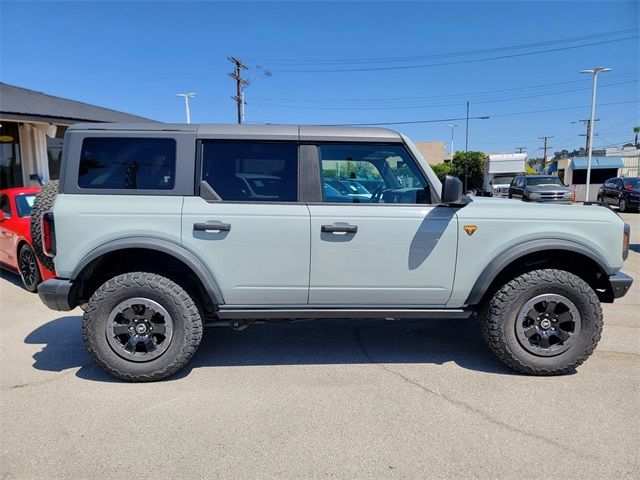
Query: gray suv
{"x":540,"y":188}
{"x":157,"y":231}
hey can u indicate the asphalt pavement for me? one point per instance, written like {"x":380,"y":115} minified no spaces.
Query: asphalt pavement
{"x":324,"y":399}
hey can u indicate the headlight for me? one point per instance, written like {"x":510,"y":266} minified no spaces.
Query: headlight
{"x":534,"y":196}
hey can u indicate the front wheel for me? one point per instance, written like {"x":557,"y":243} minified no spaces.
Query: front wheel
{"x":141,"y":327}
{"x":544,"y":322}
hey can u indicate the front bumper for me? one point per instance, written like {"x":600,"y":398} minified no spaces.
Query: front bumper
{"x":54,"y":293}
{"x":620,"y":284}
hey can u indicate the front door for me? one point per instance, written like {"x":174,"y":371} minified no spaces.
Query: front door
{"x":256,"y":239}
{"x":379,"y":240}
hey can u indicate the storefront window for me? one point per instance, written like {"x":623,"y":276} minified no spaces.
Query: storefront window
{"x":54,"y":152}
{"x":10,"y":161}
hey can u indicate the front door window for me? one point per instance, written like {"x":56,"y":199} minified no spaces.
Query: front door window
{"x":371,"y":174}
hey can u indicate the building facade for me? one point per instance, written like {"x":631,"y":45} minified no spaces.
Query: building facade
{"x":32,"y":127}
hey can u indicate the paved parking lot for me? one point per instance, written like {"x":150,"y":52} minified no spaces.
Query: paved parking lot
{"x":405,"y":399}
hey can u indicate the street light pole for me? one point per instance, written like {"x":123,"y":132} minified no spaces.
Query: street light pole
{"x":452,"y":126}
{"x":187,"y":96}
{"x":594,"y":71}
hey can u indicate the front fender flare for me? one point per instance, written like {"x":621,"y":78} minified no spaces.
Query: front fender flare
{"x":502,"y":260}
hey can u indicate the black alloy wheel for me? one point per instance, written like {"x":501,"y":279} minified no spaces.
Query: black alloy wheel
{"x":29,"y":269}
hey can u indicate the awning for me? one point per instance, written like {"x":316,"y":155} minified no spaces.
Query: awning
{"x":597,"y":163}
{"x":551,"y":168}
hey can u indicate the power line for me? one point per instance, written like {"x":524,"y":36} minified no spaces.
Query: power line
{"x":412,"y":107}
{"x":439,"y":120}
{"x":462,"y":94}
{"x":350,"y":61}
{"x":456,"y":62}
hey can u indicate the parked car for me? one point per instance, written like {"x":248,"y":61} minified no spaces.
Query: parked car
{"x":16,"y":249}
{"x":152,"y":263}
{"x":624,"y":193}
{"x":540,"y":188}
{"x":351,"y":188}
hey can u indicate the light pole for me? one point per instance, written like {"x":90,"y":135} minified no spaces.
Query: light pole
{"x":187,"y":96}
{"x":593,"y":71}
{"x":452,"y":126}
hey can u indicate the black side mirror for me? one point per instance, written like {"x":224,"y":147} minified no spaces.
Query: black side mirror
{"x":451,"y":190}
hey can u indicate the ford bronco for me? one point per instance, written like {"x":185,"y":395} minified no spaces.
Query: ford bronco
{"x":158,"y":230}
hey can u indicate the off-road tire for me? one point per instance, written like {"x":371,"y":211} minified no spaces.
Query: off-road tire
{"x":499,"y":317}
{"x":187,"y":325}
{"x":600,"y":199}
{"x":43,"y":202}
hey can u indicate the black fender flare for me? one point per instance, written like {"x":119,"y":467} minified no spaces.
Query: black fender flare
{"x":503,"y":259}
{"x":190,"y":259}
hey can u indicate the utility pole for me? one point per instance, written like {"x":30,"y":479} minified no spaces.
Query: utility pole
{"x":466,"y":135}
{"x":587,"y":122}
{"x":240,"y":84}
{"x":544,"y":156}
{"x":187,"y":96}
{"x":521,"y":149}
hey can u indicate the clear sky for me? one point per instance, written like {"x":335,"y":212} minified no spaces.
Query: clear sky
{"x":135,"y":57}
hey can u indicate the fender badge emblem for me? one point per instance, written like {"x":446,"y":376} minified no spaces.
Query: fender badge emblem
{"x":470,"y":229}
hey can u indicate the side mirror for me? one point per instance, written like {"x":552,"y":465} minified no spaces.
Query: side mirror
{"x":451,"y":190}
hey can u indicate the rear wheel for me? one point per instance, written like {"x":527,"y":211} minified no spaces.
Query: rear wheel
{"x":29,"y":269}
{"x":141,"y":327}
{"x":622,"y":205}
{"x":545,"y":322}
{"x":600,"y":199}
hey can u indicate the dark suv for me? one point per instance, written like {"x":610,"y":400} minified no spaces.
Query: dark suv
{"x":540,"y":188}
{"x":621,"y":192}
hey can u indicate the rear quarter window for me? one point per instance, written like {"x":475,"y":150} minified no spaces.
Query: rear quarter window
{"x":120,"y":163}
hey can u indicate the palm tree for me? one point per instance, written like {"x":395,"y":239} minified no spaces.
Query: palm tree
{"x":636,"y":130}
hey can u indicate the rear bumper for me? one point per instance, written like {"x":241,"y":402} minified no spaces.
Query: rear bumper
{"x":620,"y":284}
{"x":54,"y":293}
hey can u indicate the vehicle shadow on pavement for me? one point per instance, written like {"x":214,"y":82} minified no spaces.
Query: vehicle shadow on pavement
{"x":305,"y":343}
{"x":11,"y":277}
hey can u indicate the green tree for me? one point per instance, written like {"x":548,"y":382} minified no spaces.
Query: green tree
{"x":469,"y":165}
{"x":441,"y":169}
{"x":636,"y":130}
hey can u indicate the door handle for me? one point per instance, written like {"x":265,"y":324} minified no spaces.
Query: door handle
{"x":212,"y":227}
{"x":339,"y":228}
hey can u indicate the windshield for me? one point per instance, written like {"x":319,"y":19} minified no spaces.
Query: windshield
{"x":355,"y":187}
{"x":24,"y":204}
{"x":503,"y":179}
{"x":632,"y":183}
{"x":544,"y":182}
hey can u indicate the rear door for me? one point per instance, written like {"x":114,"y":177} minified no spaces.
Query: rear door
{"x":386,"y":243}
{"x":255,"y":239}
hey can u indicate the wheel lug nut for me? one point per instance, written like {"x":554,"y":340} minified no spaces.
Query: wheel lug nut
{"x":131,"y":328}
{"x":137,"y":335}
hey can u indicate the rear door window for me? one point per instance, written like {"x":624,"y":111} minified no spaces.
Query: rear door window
{"x":252,"y":171}
{"x":127,"y":163}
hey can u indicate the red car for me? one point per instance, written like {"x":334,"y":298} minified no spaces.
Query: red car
{"x":16,"y":250}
